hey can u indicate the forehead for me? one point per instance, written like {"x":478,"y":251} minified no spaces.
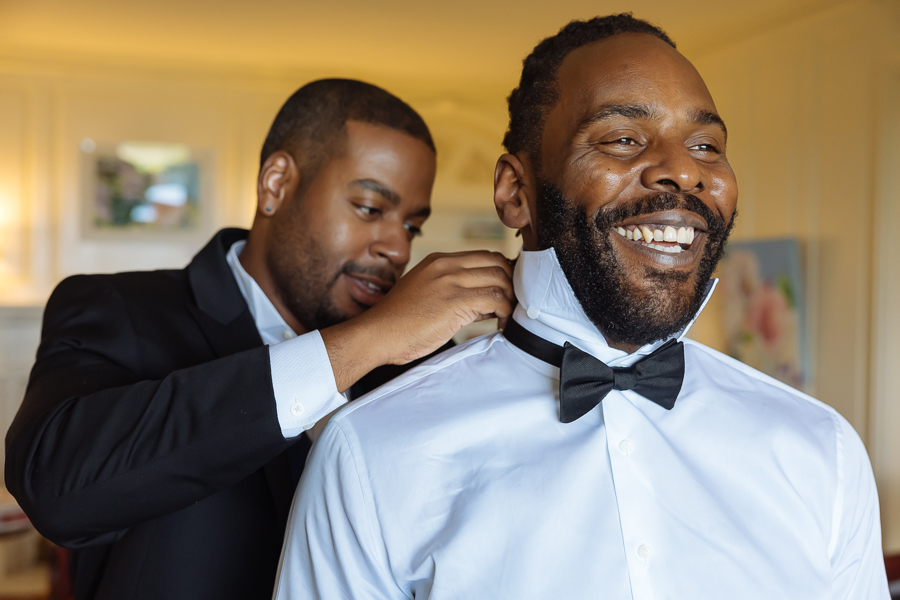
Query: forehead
{"x":381,"y":160}
{"x":629,"y":68}
{"x":382,"y":152}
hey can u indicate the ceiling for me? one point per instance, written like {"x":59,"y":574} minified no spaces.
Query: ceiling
{"x":477,"y":41}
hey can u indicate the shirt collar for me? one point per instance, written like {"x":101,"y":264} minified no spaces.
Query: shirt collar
{"x":548,"y":308}
{"x":272,"y":327}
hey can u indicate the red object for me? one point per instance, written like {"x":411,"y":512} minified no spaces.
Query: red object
{"x":60,"y":575}
{"x":892,"y":566}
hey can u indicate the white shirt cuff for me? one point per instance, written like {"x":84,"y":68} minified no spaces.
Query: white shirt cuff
{"x":303,"y":381}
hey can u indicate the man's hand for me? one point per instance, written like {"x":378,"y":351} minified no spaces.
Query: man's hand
{"x":426,"y":308}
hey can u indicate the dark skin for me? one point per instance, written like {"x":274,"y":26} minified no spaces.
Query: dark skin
{"x":364,"y":207}
{"x":633,"y":117}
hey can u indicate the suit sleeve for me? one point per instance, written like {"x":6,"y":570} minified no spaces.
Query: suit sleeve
{"x":94,"y":449}
{"x":858,"y":571}
{"x":333,"y":548}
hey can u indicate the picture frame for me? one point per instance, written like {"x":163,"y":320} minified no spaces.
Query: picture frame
{"x":145,"y":190}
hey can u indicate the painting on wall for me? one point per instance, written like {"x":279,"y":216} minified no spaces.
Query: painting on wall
{"x":137,"y":188}
{"x":762,"y":308}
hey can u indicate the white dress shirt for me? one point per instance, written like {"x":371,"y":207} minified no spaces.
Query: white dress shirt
{"x":305,"y":390}
{"x":457,"y":480}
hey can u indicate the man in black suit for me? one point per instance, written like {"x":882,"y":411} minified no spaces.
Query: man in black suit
{"x":166,"y":418}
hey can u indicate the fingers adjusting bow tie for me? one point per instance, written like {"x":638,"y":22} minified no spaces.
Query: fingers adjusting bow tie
{"x":584,"y":381}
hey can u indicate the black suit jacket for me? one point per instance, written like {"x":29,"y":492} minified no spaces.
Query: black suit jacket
{"x":148,"y":439}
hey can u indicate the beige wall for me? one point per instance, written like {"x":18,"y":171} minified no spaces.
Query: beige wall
{"x":46,"y":109}
{"x":884,"y":416}
{"x":813,"y":110}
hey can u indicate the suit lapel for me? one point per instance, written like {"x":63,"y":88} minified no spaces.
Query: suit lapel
{"x":222,"y":314}
{"x":220,"y":309}
{"x":228,"y":338}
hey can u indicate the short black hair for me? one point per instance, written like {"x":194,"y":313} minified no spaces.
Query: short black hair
{"x":538,"y":91}
{"x":311,"y":122}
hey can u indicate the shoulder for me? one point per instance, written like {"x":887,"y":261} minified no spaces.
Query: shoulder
{"x":731,"y":373}
{"x":117,"y":289}
{"x":116,"y":286}
{"x":93,"y":311}
{"x":759,"y":397}
{"x":450,"y":381}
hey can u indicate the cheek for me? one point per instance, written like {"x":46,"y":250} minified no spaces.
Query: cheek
{"x":343,"y":239}
{"x":724,"y":191}
{"x":351,"y":239}
{"x":605,"y":183}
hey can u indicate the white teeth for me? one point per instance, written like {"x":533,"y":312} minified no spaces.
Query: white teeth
{"x":373,"y":287}
{"x":669,"y":234}
{"x":669,"y":249}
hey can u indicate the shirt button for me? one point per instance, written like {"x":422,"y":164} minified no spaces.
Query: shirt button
{"x":626,"y":447}
{"x":533,"y":312}
{"x":644,"y":551}
{"x":287,"y":334}
{"x":296,"y":409}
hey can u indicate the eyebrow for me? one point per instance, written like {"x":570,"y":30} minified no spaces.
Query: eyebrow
{"x":390,"y":195}
{"x":379,"y":188}
{"x":608,"y":111}
{"x":697,"y":116}
{"x":707,"y":117}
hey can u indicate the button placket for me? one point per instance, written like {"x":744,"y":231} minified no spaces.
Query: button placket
{"x":623,"y":423}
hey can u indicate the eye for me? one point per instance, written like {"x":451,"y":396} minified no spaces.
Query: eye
{"x":621,"y":144}
{"x":412,"y":229}
{"x":705,"y":148}
{"x":368,"y":211}
{"x":622,"y":141}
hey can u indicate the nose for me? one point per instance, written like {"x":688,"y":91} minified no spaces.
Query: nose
{"x":673,"y":169}
{"x":392,"y":241}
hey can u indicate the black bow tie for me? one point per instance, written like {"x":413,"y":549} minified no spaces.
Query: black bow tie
{"x":584,"y":381}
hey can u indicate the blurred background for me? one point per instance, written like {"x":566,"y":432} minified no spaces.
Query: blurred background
{"x":130,"y":132}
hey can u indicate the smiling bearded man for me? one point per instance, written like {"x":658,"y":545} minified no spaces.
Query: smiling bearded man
{"x":591,"y":450}
{"x":601,"y":282}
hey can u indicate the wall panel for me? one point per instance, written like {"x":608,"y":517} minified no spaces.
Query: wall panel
{"x":13,"y":141}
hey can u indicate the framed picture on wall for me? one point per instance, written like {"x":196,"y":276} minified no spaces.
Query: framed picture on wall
{"x":141,"y":189}
{"x":763,"y":308}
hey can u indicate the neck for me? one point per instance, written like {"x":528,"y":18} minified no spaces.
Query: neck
{"x":253,"y":259}
{"x":628,"y":348}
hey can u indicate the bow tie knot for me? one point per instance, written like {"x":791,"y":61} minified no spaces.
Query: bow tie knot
{"x":625,"y":379}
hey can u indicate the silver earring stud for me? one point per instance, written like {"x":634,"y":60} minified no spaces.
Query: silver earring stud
{"x":268,"y":209}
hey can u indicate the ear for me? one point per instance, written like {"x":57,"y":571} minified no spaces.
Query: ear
{"x":515,"y":195}
{"x":278,"y":180}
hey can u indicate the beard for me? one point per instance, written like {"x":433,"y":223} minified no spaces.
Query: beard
{"x":305,"y":275}
{"x":634,"y":307}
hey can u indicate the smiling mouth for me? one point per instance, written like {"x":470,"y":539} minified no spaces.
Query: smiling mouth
{"x":373,"y":287}
{"x":664,"y":238}
{"x":365,"y":290}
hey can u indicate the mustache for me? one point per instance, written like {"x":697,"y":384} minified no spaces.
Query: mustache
{"x":655,"y":202}
{"x":384,"y":273}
